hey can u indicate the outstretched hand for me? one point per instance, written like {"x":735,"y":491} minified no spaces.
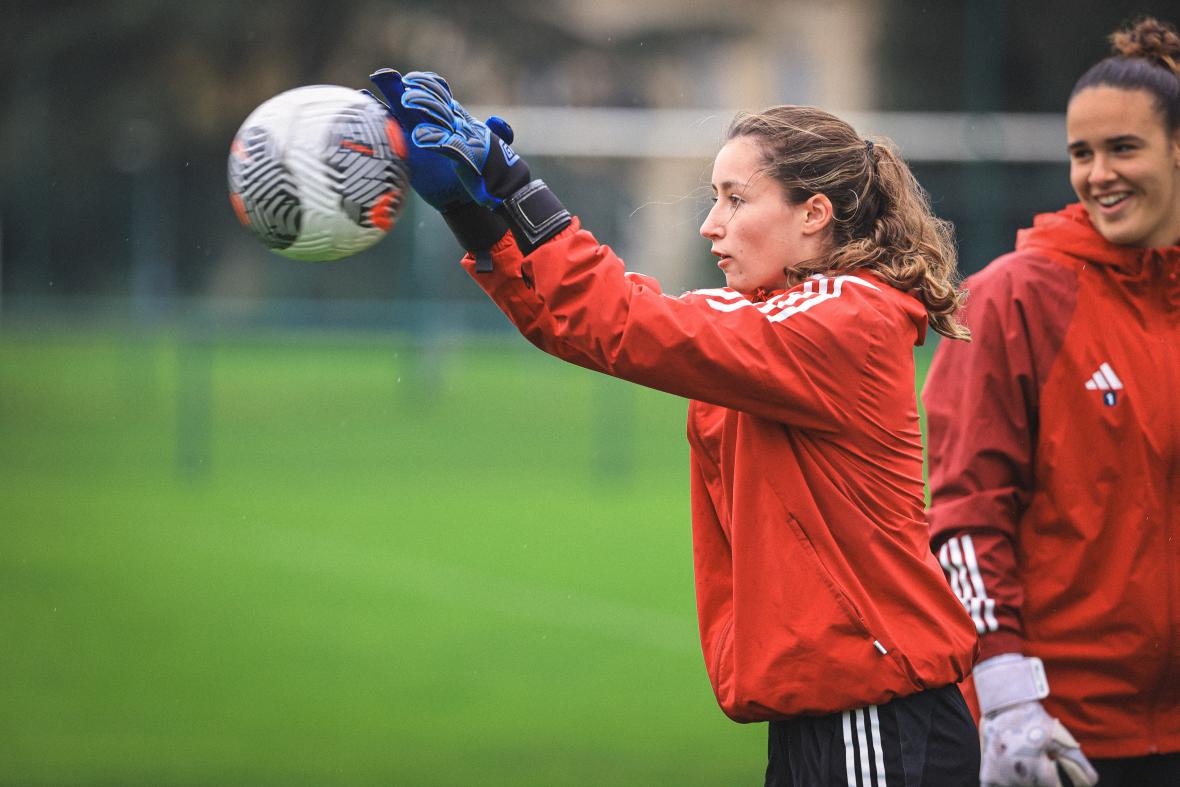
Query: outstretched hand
{"x":432,"y":175}
{"x":462,"y":166}
{"x":422,"y":102}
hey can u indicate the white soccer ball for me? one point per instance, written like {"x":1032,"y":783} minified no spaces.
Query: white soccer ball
{"x":319,"y":172}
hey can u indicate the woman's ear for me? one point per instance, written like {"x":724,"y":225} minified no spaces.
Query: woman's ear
{"x":818,"y":214}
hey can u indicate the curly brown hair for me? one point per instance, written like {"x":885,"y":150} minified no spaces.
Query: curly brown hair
{"x":882,"y":221}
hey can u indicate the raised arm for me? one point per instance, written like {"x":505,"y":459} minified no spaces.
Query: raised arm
{"x":801,"y":357}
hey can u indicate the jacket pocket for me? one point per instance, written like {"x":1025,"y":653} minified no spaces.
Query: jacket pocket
{"x":846,"y":604}
{"x":892,"y":655}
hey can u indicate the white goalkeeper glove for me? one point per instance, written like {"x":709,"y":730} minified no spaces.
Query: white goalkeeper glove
{"x":1023,"y":745}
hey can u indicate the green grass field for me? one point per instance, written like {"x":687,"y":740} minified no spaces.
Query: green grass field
{"x":343,"y":559}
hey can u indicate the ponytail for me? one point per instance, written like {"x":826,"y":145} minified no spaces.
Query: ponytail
{"x":882,"y":219}
{"x":906,"y":244}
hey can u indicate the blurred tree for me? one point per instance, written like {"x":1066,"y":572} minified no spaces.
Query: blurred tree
{"x":111,"y":104}
{"x":995,"y":57}
{"x":1046,"y":46}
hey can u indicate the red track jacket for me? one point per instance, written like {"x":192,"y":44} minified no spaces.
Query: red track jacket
{"x":816,"y":588}
{"x":1055,"y":475}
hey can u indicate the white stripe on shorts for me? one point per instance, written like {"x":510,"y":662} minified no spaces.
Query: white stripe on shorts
{"x":877,"y":750}
{"x":856,"y":754}
{"x":849,"y":754}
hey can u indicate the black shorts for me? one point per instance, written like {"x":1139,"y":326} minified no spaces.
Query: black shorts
{"x":927,"y":739}
{"x":1156,"y":770}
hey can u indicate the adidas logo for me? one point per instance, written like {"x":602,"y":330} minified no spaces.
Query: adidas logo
{"x":1108,"y":382}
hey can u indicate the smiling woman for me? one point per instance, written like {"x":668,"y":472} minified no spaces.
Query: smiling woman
{"x":1123,"y":125}
{"x":1053,"y":447}
{"x":1123,"y":166}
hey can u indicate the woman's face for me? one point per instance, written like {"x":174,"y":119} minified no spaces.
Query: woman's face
{"x":755,"y":231}
{"x":1125,"y":166}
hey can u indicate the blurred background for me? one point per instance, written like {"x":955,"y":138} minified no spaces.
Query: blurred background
{"x":274,"y":522}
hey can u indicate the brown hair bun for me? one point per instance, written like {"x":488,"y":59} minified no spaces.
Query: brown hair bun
{"x":1150,"y":39}
{"x":1146,"y":57}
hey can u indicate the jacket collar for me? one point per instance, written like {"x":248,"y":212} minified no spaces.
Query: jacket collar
{"x":1069,"y":232}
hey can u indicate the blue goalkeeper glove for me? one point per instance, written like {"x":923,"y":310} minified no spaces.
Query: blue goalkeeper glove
{"x":433,"y":177}
{"x":491,"y":172}
{"x":487,"y":166}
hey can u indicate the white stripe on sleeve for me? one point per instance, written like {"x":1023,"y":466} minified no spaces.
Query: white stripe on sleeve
{"x":813,"y":292}
{"x":957,"y":557}
{"x":989,"y":604}
{"x":965,"y":590}
{"x":952,"y":575}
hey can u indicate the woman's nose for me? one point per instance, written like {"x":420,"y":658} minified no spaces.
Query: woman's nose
{"x":1100,"y":171}
{"x":711,"y":228}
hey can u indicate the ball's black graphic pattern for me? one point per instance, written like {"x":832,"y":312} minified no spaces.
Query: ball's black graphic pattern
{"x":370,"y":176}
{"x":267,"y":194}
{"x":319,"y":172}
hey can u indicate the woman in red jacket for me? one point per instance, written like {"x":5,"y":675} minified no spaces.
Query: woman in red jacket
{"x":1054,"y":447}
{"x":821,"y":608}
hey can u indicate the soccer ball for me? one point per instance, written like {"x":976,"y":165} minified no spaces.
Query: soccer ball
{"x":319,"y":172}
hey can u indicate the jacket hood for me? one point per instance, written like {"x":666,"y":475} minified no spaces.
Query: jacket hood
{"x":1069,"y":232}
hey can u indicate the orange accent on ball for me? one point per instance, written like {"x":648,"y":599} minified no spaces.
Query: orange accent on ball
{"x":397,"y":139}
{"x":239,"y":204}
{"x":356,"y":146}
{"x":238,"y":149}
{"x":382,"y":213}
